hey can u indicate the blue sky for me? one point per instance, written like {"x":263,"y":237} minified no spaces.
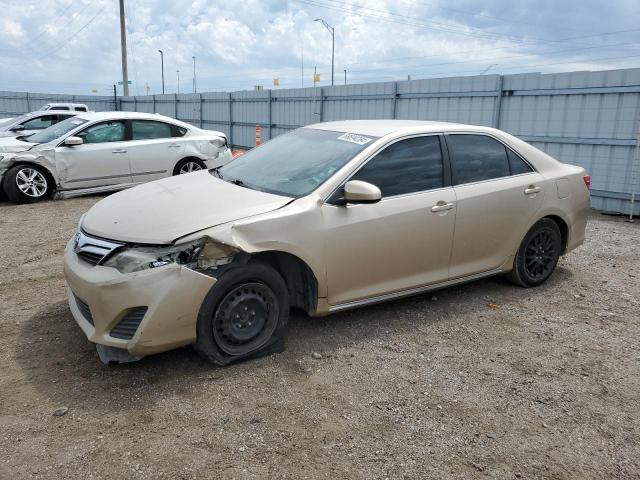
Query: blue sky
{"x":73,"y":46}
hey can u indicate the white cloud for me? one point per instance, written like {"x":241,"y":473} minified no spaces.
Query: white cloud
{"x":49,"y":45}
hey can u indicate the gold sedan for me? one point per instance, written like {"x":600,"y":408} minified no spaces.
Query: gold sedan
{"x":328,"y":217}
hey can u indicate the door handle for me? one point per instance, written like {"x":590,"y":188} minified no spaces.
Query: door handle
{"x":120,"y":150}
{"x":532,"y":190}
{"x":174,"y":145}
{"x":441,"y":207}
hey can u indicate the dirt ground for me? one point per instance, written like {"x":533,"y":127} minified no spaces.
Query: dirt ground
{"x":543,"y":384}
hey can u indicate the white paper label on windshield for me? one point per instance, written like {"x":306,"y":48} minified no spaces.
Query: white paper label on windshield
{"x":353,"y":138}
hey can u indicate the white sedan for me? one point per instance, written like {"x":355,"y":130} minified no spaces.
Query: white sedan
{"x":31,"y":123}
{"x":104,"y":152}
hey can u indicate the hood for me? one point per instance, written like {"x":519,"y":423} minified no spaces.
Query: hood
{"x":13,"y":145}
{"x":160,"y":212}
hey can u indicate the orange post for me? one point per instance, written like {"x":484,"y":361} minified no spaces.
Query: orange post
{"x":258,"y":135}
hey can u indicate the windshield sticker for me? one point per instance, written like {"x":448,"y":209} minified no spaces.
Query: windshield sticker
{"x":353,"y":138}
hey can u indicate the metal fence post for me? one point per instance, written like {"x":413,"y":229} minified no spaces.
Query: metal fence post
{"x":497,"y":111}
{"x":269,"y":116}
{"x":153,"y":102}
{"x":231,"y":119}
{"x":321,"y":104}
{"x":395,"y":100}
{"x":135,"y":103}
{"x":175,"y":106}
{"x":201,"y":105}
{"x":28,"y":103}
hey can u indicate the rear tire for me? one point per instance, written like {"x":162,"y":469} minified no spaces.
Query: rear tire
{"x":188,"y":165}
{"x":244,"y":315}
{"x":26,"y":184}
{"x":538,"y":254}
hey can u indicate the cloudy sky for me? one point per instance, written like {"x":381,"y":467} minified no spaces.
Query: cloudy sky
{"x":73,"y":46}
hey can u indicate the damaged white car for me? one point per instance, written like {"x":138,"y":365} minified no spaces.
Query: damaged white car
{"x":104,"y":152}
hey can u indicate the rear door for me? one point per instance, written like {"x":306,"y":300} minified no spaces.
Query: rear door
{"x":404,"y":240}
{"x":154,"y":149}
{"x":497,"y":194}
{"x":103,"y":158}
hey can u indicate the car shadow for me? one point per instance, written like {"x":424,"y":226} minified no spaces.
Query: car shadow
{"x":60,"y":364}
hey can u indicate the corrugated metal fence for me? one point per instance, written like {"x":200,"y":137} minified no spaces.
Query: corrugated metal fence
{"x":590,"y":119}
{"x":17,"y":103}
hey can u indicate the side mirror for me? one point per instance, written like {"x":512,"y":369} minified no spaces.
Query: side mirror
{"x":72,"y":141}
{"x":357,"y":191}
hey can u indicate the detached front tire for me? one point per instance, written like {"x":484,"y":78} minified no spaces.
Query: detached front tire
{"x":244,"y":315}
{"x":538,"y":254}
{"x":26,"y":184}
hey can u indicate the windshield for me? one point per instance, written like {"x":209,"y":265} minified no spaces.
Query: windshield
{"x":295,"y":164}
{"x":56,"y":131}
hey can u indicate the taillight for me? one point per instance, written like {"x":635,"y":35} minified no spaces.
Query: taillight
{"x":587,"y":181}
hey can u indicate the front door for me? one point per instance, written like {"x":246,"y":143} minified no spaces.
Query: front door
{"x":102,"y":159}
{"x":401,"y":242}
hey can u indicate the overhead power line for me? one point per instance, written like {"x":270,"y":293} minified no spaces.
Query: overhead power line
{"x":72,"y":36}
{"x":389,"y":17}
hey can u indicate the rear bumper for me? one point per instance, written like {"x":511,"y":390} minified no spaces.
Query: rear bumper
{"x":100,"y":297}
{"x":224,"y":157}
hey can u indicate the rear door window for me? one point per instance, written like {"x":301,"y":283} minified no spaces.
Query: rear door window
{"x":518,"y":165}
{"x":407,"y":166}
{"x":477,"y":158}
{"x":148,"y":129}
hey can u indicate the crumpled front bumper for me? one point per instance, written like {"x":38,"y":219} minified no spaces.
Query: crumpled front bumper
{"x":172,"y":295}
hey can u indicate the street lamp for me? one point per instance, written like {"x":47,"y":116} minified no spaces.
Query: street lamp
{"x":194,"y":74}
{"x":178,"y":72}
{"x":162,"y":67}
{"x":333,"y":42}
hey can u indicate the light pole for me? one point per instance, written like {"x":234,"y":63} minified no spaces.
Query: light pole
{"x":178,"y":72}
{"x":194,"y":74}
{"x":123,"y":48}
{"x":345,"y":76}
{"x":333,"y":42}
{"x":162,"y":68}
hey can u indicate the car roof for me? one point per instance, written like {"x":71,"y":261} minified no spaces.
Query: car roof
{"x":380,"y":128}
{"x":92,"y":116}
{"x":64,"y":104}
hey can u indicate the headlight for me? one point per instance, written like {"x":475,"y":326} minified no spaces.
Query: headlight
{"x":197,"y":255}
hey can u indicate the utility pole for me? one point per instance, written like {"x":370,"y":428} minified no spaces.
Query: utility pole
{"x":123,"y":47}
{"x":333,"y":42}
{"x":194,"y":74}
{"x":162,"y":67}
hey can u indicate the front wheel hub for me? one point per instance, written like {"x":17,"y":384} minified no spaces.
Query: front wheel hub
{"x":245,"y":318}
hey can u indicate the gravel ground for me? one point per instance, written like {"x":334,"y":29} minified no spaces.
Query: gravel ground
{"x":484,"y":380}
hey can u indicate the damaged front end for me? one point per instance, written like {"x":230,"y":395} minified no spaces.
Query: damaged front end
{"x":202,"y":255}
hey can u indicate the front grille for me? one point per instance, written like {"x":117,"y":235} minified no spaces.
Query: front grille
{"x":84,"y":309}
{"x":93,"y":250}
{"x":92,"y":258}
{"x":126,"y":328}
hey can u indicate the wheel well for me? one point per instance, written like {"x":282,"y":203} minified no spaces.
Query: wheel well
{"x":301,"y":282}
{"x":175,"y":167}
{"x":45,"y":170}
{"x":564,"y":230}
